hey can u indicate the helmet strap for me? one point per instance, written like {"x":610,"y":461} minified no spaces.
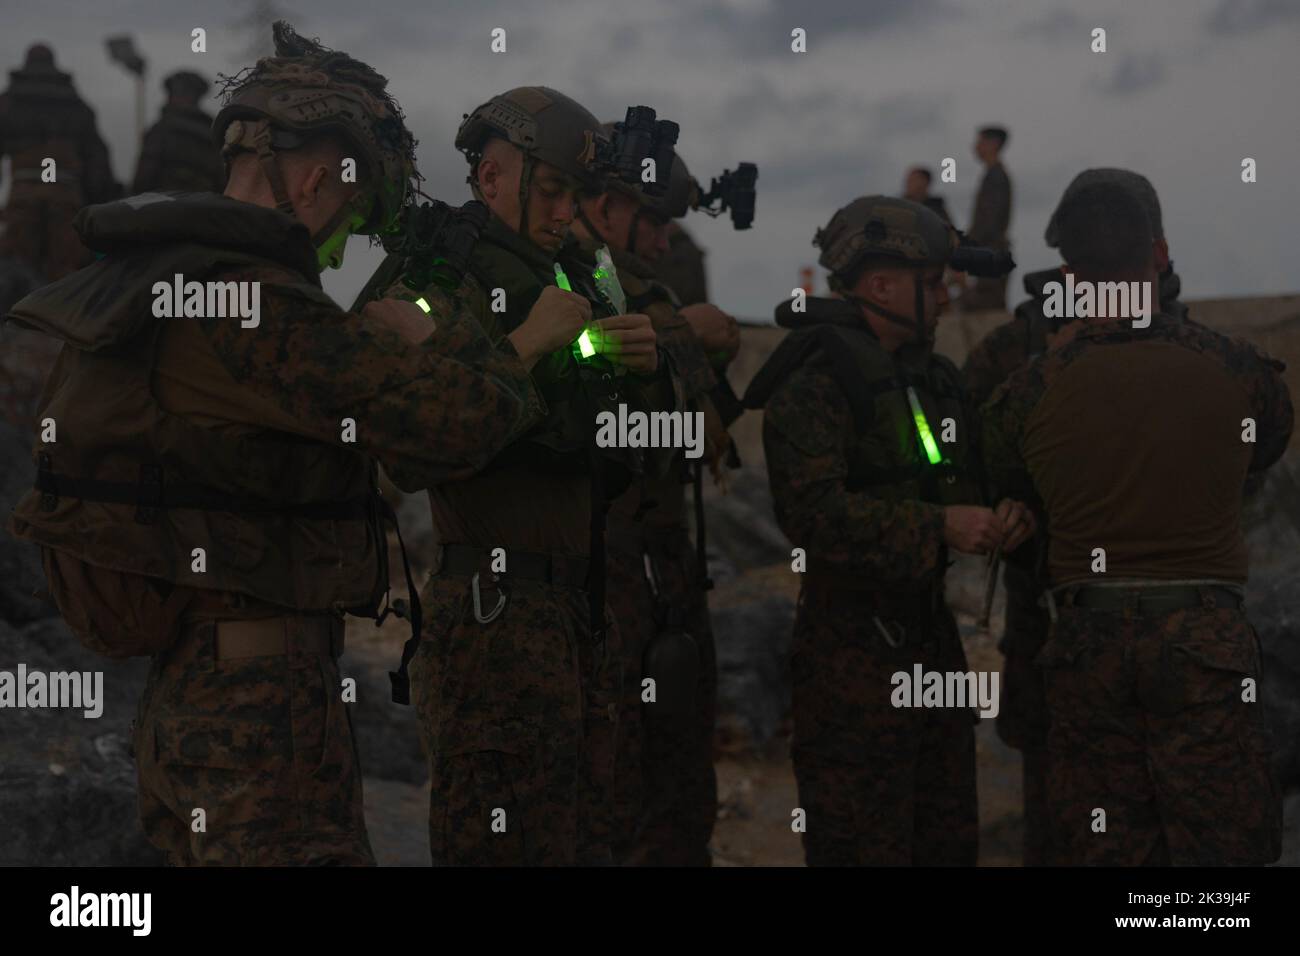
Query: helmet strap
{"x":270,"y":168}
{"x":631,"y":230}
{"x":587,"y":224}
{"x":525,"y":182}
{"x":914,"y":322}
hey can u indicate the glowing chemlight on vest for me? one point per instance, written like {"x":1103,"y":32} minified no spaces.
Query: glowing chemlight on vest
{"x":923,"y":427}
{"x":583,"y":345}
{"x":423,"y":305}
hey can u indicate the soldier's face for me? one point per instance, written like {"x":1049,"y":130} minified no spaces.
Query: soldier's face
{"x":618,"y":220}
{"x":552,"y":201}
{"x":895,"y":290}
{"x":916,"y":187}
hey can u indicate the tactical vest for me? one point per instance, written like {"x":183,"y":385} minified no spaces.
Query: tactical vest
{"x":130,"y":487}
{"x":575,"y":393}
{"x":890,"y":458}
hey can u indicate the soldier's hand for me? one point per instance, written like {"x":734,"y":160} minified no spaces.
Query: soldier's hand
{"x":1018,"y":523}
{"x":628,"y":340}
{"x":554,"y":321}
{"x":717,"y":331}
{"x":971,"y":529}
{"x":402,"y":316}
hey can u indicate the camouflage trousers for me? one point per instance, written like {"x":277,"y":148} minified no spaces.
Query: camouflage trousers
{"x":879,"y":785}
{"x":518,"y":717}
{"x":1022,"y":719}
{"x":263,"y":746}
{"x":666,"y":791}
{"x":1149,"y":725}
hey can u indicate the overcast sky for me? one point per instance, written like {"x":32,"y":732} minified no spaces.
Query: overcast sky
{"x":1186,"y":89}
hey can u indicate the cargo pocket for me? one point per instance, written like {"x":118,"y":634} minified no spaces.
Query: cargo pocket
{"x":225,"y":767}
{"x":487,"y":796}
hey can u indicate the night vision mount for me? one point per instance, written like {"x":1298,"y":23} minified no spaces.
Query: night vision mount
{"x":734,"y":191}
{"x":640,"y":136}
{"x":980,"y":261}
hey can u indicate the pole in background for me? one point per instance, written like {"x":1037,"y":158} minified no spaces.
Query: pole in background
{"x":121,"y":49}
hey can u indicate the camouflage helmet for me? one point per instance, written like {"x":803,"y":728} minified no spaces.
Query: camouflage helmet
{"x":1136,"y":183}
{"x":676,"y":202}
{"x":544,"y":123}
{"x":883,"y":227}
{"x":307,"y":89}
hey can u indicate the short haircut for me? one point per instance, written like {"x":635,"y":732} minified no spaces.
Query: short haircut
{"x":847,"y":279}
{"x":1104,"y":229}
{"x":996,"y":133}
{"x":929,"y":177}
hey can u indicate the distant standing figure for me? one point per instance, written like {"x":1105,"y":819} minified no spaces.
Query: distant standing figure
{"x":42,"y":117}
{"x":178,"y":151}
{"x":916,"y":187}
{"x":991,"y":218}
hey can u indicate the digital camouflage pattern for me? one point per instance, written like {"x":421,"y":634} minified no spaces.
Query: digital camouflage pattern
{"x":667,"y":790}
{"x":880,"y":784}
{"x":1148,"y":723}
{"x":519,"y":714}
{"x":1022,"y":719}
{"x":286,"y":788}
{"x":528,"y":703}
{"x":263,"y":745}
{"x":1126,"y":713}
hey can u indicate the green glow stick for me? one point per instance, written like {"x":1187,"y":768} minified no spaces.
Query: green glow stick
{"x":923,"y":427}
{"x":585,"y":348}
{"x":423,"y":305}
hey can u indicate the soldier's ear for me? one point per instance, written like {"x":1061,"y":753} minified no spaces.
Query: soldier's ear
{"x":489,"y":177}
{"x":1161,"y":250}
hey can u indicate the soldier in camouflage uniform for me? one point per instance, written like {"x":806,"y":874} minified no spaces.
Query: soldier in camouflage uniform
{"x":518,"y":688}
{"x":681,"y":268}
{"x":666,"y":791}
{"x":42,"y":117}
{"x":177,"y":152}
{"x":1022,"y":720}
{"x":854,"y":400}
{"x":211,"y":496}
{"x":1130,"y":442}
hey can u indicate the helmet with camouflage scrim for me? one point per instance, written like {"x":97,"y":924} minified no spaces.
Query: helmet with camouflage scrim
{"x":1136,"y":183}
{"x":305,"y":90}
{"x":870,"y":228}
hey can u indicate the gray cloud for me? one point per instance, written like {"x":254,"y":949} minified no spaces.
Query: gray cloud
{"x":1059,"y":24}
{"x":1132,"y":74}
{"x":1246,"y":16}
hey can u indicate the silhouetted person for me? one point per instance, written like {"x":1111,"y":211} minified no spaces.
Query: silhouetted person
{"x":991,"y":217}
{"x":42,"y":117}
{"x":916,"y":187}
{"x":178,"y":151}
